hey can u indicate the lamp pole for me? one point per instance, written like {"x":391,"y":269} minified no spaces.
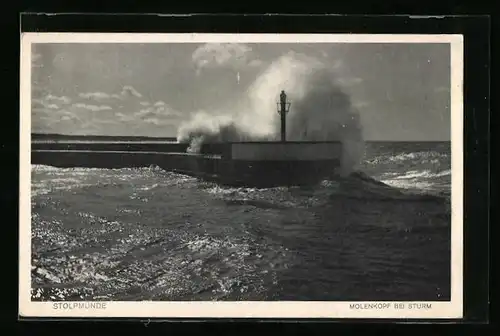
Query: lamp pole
{"x":283,"y":108}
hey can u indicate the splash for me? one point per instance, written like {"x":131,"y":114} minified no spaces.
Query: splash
{"x":320,"y":111}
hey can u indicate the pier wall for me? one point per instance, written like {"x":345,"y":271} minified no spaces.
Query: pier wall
{"x":75,"y":138}
{"x":96,"y":146}
{"x":191,"y":164}
{"x":293,"y":151}
{"x":244,"y":163}
{"x":124,"y":146}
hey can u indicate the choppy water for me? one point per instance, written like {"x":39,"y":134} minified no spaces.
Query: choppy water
{"x":147,"y":234}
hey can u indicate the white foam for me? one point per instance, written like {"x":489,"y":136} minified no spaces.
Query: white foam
{"x":411,"y":184}
{"x":429,"y":156}
{"x":414,"y":179}
{"x":413,"y":174}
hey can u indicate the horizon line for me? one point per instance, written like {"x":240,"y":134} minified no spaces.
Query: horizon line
{"x":36,"y":134}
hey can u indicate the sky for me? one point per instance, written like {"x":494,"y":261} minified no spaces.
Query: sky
{"x":401,"y":91}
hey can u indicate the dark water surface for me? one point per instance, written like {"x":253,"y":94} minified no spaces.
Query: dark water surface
{"x":147,"y":234}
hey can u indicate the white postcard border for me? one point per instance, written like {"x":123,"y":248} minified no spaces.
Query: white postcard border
{"x":243,"y":309}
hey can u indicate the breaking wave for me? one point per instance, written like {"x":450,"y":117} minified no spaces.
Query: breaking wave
{"x":410,"y":186}
{"x":422,"y":157}
{"x":320,"y":111}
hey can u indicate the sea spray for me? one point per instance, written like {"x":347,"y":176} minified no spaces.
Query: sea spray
{"x":209,"y":128}
{"x":320,"y":111}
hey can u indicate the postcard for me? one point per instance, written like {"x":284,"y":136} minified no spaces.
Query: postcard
{"x":241,"y":175}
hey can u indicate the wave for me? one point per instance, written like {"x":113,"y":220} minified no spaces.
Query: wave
{"x":40,"y":168}
{"x":111,"y":259}
{"x":422,"y":157}
{"x":46,"y":179}
{"x":417,"y":174}
{"x":361,"y":186}
{"x":320,"y":110}
{"x":356,"y":185}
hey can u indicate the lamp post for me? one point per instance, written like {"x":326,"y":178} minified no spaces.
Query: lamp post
{"x":283,"y":108}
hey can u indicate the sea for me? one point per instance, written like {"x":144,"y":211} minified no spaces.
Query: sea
{"x":381,"y":233}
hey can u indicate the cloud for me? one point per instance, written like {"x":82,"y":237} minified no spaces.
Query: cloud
{"x":153,"y":121}
{"x":97,"y":96}
{"x":53,"y":106}
{"x":94,"y":108}
{"x":124,"y":118}
{"x":70,"y":117}
{"x":97,"y":112}
{"x":35,"y":60}
{"x":232,"y":55}
{"x":50,"y":102}
{"x":126,"y":92}
{"x":158,"y":111}
{"x":50,"y":116}
{"x":61,"y":99}
{"x":58,"y":113}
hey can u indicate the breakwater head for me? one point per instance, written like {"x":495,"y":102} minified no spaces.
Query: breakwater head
{"x":256,"y":163}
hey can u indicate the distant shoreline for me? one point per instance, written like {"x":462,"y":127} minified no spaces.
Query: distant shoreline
{"x":55,"y":136}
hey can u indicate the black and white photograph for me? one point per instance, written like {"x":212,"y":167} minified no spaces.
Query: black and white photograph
{"x":207,"y":175}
